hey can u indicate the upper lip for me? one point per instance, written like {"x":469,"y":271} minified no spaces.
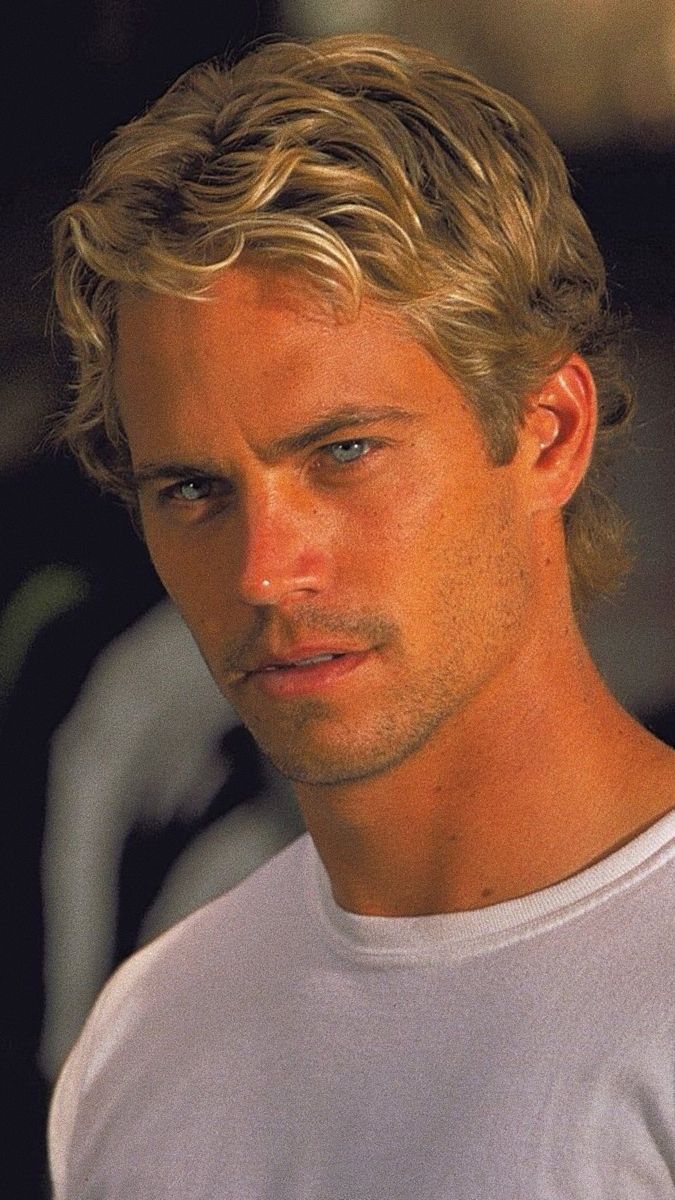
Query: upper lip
{"x":285,"y":658}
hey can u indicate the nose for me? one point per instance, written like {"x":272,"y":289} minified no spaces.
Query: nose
{"x":284,"y":551}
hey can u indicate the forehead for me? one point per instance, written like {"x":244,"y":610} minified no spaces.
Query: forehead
{"x":252,"y":305}
{"x":262,"y":349}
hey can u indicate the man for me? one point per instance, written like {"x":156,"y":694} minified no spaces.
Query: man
{"x":343,"y":346}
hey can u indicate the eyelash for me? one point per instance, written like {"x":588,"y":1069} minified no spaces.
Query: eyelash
{"x":172,"y":493}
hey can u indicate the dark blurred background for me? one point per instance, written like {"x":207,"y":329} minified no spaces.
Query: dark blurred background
{"x":73,"y":574}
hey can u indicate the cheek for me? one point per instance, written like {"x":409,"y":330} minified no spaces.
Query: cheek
{"x":187,"y":571}
{"x":474,"y":556}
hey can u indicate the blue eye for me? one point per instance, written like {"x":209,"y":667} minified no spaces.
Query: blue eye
{"x":349,"y":451}
{"x":192,"y":489}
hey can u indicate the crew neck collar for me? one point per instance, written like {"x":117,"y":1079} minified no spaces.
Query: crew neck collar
{"x":448,"y":936}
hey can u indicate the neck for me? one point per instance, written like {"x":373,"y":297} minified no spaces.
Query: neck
{"x":535,"y":779}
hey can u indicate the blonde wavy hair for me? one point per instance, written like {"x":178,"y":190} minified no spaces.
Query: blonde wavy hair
{"x":373,"y":168}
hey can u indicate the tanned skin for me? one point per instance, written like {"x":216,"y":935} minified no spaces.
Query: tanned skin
{"x":310,"y":485}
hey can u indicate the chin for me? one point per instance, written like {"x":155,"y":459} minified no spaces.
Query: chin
{"x":345,"y":760}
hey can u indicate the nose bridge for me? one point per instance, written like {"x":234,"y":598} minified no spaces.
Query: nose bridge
{"x":281,"y":548}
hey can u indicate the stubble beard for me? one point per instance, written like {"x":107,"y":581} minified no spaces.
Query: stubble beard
{"x":324,"y":743}
{"x":312,"y":744}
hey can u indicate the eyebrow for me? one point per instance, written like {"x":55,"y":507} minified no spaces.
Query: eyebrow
{"x":290,"y":443}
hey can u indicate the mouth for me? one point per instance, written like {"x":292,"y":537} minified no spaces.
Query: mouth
{"x":305,"y":674}
{"x":301,"y":663}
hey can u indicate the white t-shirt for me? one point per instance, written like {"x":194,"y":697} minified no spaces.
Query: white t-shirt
{"x":274,"y":1046}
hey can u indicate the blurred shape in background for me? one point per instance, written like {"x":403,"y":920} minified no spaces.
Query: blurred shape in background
{"x":27,"y":395}
{"x":592,"y":70}
{"x":157,"y":801}
{"x":42,"y":596}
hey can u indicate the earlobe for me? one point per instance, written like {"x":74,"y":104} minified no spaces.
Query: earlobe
{"x":559,"y":430}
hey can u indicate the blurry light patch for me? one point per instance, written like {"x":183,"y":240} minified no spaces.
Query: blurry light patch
{"x":45,"y":594}
{"x":669,"y":48}
{"x":312,"y":18}
{"x":27,"y":394}
{"x":648,"y":82}
{"x":593,"y":71}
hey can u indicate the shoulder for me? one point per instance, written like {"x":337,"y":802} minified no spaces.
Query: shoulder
{"x":211,"y":962}
{"x":221,"y":941}
{"x":261,"y":907}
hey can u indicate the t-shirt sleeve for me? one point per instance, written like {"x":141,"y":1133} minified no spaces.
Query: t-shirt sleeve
{"x":62,"y":1118}
{"x":105,"y":1027}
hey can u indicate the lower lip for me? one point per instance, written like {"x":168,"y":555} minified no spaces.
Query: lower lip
{"x":303,"y":681}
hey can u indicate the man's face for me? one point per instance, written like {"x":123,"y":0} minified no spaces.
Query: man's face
{"x":312,"y":488}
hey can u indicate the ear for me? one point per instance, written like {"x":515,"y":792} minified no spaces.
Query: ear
{"x":556,"y":440}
